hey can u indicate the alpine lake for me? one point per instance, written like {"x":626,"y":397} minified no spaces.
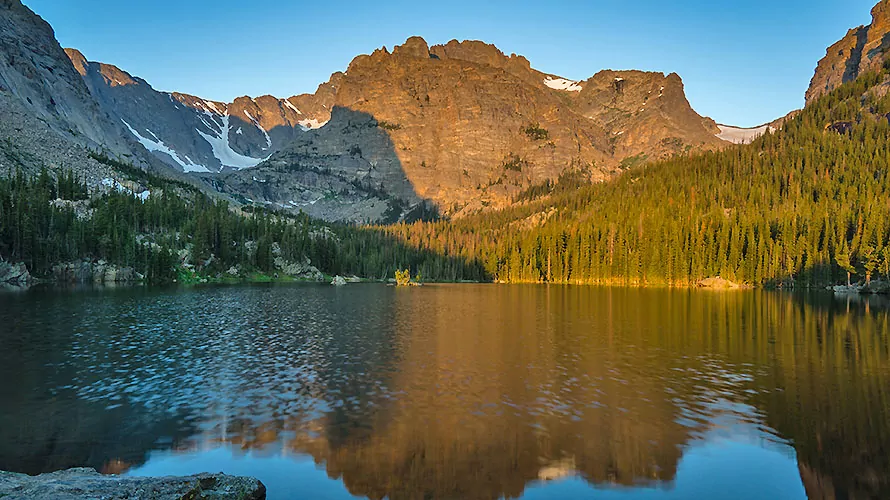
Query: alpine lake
{"x":455,"y":391}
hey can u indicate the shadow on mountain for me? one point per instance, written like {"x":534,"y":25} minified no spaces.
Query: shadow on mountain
{"x":346,"y":171}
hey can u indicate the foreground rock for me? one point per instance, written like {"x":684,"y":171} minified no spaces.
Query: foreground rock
{"x":78,"y":484}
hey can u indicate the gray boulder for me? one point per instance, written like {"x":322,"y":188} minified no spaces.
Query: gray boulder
{"x":84,"y":483}
{"x":14,"y":274}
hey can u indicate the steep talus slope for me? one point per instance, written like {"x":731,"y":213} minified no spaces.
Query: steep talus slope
{"x":861,"y":50}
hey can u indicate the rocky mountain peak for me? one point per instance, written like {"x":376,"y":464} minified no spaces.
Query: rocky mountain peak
{"x":862,"y":49}
{"x":413,"y":47}
{"x":78,"y":60}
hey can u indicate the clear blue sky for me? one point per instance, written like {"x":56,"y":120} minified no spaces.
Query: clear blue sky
{"x":744,"y":62}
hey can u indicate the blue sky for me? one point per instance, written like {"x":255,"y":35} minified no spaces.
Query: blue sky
{"x":744,"y":62}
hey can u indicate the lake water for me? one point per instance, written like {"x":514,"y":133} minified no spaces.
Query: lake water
{"x":455,"y":391}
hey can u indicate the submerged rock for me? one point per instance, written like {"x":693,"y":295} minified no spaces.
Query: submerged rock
{"x":84,"y":483}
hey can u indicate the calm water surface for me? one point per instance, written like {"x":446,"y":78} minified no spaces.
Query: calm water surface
{"x":465,"y":391}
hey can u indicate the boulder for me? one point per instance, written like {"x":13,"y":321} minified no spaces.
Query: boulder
{"x":84,"y":483}
{"x":338,"y":281}
{"x":843,"y":289}
{"x":14,"y":274}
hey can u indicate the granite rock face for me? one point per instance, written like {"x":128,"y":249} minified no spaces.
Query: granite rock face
{"x":83,"y":484}
{"x":462,"y":127}
{"x":48,"y":118}
{"x":188,"y":133}
{"x":861,"y":50}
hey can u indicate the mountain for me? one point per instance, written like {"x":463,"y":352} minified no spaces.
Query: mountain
{"x":48,"y":117}
{"x":861,"y":50}
{"x":457,"y":127}
{"x":187,"y":132}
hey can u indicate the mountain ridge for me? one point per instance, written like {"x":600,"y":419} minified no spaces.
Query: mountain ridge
{"x":469,"y":127}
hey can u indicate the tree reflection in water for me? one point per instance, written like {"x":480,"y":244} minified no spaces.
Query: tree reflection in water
{"x":451,"y":391}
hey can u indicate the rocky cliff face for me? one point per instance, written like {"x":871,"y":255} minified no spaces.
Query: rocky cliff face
{"x":862,"y":49}
{"x":465,"y":127}
{"x":34,"y":70}
{"x":48,"y":118}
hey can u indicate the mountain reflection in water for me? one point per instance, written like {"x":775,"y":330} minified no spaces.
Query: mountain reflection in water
{"x":465,"y":391}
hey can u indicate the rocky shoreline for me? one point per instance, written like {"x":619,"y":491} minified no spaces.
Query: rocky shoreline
{"x":85,"y":483}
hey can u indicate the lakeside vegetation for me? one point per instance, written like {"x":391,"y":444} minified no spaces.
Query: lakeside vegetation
{"x":179,"y":234}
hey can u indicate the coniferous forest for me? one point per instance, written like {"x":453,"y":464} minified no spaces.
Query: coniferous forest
{"x":807,"y":205}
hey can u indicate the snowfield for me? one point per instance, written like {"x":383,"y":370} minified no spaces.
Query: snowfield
{"x":562,"y":84}
{"x":738,"y":135}
{"x":158,"y":146}
{"x":223,"y":152}
{"x":312,"y":124}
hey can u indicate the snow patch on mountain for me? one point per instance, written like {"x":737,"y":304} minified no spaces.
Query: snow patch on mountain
{"x":312,"y":124}
{"x":223,"y":152}
{"x":158,"y":146}
{"x":211,"y":106}
{"x":562,"y":84}
{"x":738,"y":135}
{"x":291,"y":106}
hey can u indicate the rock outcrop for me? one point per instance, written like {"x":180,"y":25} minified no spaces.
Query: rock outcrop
{"x":101,"y":272}
{"x":718,"y":283}
{"x":861,"y":50}
{"x":15,"y":275}
{"x":82,"y":484}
